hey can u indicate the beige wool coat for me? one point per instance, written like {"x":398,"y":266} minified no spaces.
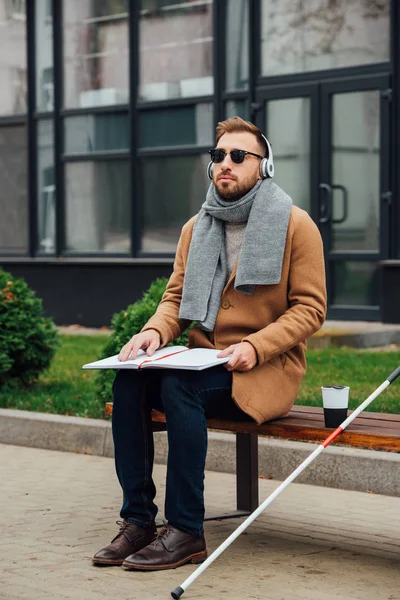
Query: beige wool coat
{"x":275,"y":319}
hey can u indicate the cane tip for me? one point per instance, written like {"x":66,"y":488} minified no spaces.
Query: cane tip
{"x":177,"y":592}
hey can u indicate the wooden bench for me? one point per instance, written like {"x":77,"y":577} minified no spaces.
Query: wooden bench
{"x":374,"y":431}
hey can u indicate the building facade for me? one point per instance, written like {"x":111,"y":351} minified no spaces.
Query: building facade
{"x":108,"y":109}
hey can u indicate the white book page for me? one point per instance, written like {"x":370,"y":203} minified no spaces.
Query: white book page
{"x":112,"y":362}
{"x":196,"y":359}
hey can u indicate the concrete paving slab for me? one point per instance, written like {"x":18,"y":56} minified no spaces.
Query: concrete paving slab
{"x":355,"y":334}
{"x":57,"y":509}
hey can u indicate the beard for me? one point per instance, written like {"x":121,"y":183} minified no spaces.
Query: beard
{"x":236,"y":189}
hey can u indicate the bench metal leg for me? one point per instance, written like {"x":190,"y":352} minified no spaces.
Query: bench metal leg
{"x":246,"y":471}
{"x":246,"y":477}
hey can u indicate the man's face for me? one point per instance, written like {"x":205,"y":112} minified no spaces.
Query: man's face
{"x":234,"y":180}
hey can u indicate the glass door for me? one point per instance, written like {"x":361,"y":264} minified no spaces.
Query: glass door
{"x":285,"y":116}
{"x":353,"y":192}
{"x":331,"y":151}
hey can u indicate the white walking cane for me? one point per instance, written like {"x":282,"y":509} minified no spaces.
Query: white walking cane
{"x":178,"y":591}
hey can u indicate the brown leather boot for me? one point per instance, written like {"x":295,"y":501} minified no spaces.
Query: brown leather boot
{"x":129,"y":539}
{"x":172,"y":548}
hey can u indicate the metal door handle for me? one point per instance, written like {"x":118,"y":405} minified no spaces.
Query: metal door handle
{"x":387,"y":197}
{"x":345,"y":203}
{"x":325,"y":207}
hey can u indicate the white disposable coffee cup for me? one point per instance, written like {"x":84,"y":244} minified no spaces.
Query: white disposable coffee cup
{"x":335,"y":396}
{"x":335,"y":400}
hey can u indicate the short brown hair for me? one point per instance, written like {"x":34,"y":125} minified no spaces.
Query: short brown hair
{"x":234,"y":124}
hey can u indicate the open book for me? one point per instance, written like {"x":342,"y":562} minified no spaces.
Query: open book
{"x":174,"y":357}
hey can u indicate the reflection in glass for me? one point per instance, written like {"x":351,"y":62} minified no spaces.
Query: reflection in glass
{"x":237,"y":45}
{"x":355,"y":168}
{"x":183,"y":126}
{"x":44,"y":55}
{"x":95,"y":52}
{"x":176,"y":45}
{"x":355,"y":283}
{"x":46,"y":187}
{"x":13,"y":190}
{"x":96,"y":133}
{"x":317,"y":34}
{"x":288,"y":130}
{"x":13,"y":68}
{"x":98,"y":206}
{"x":239,"y":108}
{"x":174,"y":188}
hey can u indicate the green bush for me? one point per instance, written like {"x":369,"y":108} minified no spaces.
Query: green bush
{"x":28,"y":340}
{"x":127,"y":323}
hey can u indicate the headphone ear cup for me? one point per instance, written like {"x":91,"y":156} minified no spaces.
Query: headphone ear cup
{"x":270,"y":167}
{"x":264,"y":168}
{"x":267,"y":168}
{"x":210,"y":170}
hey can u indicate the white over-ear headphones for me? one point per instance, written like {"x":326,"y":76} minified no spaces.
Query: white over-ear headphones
{"x":267,"y":168}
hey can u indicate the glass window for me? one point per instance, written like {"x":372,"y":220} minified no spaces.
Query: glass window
{"x":96,"y":133}
{"x":98,"y":206}
{"x":288,"y":130}
{"x":174,"y":188}
{"x":95,"y":52}
{"x":239,"y":108}
{"x":237,"y":45}
{"x":46,"y":187}
{"x":189,"y":125}
{"x":356,"y":283}
{"x":322,"y":34}
{"x":12,"y":57}
{"x":13,"y":190}
{"x":356,"y":171}
{"x":176,"y":47}
{"x":44,"y":55}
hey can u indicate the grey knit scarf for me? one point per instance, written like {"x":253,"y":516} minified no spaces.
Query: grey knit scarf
{"x":266,"y":208}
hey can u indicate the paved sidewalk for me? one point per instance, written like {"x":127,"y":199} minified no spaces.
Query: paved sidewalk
{"x":313,"y":543}
{"x":355,"y":334}
{"x":328,"y":327}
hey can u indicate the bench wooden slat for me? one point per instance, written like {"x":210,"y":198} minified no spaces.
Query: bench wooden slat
{"x":372,"y":423}
{"x":297,"y":427}
{"x":359,"y":437}
{"x":369,"y":414}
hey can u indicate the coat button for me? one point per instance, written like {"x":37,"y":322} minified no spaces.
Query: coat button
{"x":225,"y":304}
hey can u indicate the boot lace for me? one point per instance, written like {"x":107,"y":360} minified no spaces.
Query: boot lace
{"x":162,"y":534}
{"x":123,"y":526}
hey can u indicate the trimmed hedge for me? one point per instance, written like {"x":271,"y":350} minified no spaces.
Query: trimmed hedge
{"x":28,"y":340}
{"x":127,"y":323}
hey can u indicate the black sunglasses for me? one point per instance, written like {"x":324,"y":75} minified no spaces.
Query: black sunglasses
{"x":237,"y":156}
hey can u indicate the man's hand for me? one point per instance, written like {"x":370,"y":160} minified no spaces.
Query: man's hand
{"x":244,"y":357}
{"x":146,"y":340}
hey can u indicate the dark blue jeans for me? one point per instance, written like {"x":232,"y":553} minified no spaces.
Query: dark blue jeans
{"x":187,"y":398}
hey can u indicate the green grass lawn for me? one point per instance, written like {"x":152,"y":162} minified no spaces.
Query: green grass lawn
{"x":362,"y":371}
{"x":66,"y":389}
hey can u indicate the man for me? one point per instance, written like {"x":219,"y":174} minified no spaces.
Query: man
{"x":249,"y":270}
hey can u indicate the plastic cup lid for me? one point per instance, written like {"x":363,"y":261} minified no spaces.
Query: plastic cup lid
{"x":334,"y":387}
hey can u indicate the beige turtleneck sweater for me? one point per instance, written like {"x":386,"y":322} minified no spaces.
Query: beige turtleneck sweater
{"x":234,"y":233}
